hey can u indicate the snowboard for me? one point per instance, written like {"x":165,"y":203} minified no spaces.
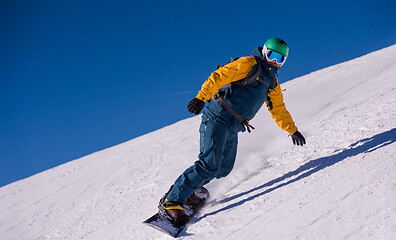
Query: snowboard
{"x":163,"y":223}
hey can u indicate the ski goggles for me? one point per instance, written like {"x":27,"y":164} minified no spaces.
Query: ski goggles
{"x":279,"y":58}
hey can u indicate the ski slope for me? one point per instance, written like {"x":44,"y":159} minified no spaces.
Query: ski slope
{"x":341,"y":185}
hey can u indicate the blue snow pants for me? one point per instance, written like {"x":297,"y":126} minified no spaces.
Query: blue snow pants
{"x":218,"y":148}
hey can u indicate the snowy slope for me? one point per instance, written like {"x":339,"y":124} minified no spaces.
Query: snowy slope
{"x":341,"y":185}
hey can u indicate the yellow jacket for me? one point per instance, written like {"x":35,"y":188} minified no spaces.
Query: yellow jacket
{"x":238,"y":70}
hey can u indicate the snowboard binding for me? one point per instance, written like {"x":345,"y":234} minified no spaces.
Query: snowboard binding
{"x":172,"y":217}
{"x":173,"y":210}
{"x":181,"y":213}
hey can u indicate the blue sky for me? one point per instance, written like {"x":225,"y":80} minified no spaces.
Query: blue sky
{"x":80,"y":76}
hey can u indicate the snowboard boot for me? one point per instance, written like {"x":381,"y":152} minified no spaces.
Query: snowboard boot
{"x":173,"y":210}
{"x":197,"y":198}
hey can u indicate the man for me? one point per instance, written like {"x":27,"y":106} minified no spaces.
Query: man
{"x":235,"y":93}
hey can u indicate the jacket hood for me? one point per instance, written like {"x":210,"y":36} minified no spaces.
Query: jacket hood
{"x":258,"y":53}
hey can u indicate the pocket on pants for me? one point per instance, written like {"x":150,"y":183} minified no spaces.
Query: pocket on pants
{"x":202,"y":130}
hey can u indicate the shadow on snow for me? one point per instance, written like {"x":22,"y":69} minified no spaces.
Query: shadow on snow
{"x":366,"y":145}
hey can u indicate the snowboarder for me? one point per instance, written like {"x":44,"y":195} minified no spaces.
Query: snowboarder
{"x":234,"y":92}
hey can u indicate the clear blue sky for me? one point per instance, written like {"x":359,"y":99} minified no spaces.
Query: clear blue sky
{"x":80,"y":76}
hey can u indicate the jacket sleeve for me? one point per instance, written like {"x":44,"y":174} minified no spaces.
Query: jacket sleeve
{"x":279,"y":112}
{"x":231,"y":72}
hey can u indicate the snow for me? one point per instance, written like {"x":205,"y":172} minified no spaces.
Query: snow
{"x":341,"y":185}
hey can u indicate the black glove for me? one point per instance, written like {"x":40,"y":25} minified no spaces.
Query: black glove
{"x":195,"y":106}
{"x":298,"y":139}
